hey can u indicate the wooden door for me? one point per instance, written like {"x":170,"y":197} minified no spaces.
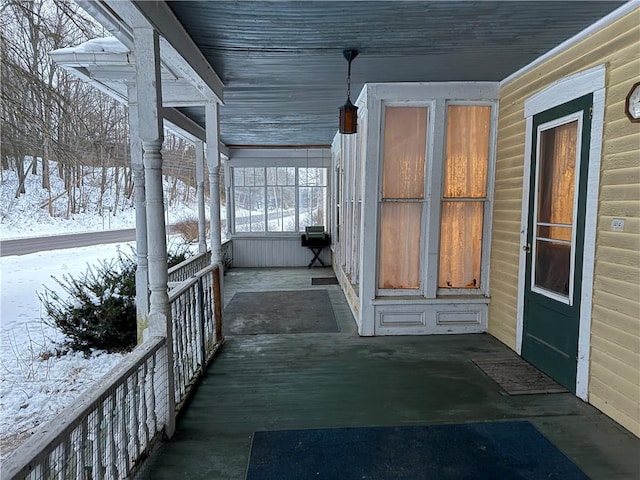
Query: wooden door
{"x":555,"y":238}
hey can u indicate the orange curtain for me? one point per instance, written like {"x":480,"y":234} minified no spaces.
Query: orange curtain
{"x":465,"y":180}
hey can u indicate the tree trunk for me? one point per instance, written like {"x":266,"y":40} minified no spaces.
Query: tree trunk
{"x":21,"y":176}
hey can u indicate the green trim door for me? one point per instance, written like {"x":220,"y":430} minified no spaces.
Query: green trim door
{"x":555,"y":238}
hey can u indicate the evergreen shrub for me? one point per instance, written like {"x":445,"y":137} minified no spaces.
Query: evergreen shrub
{"x":97,"y":310}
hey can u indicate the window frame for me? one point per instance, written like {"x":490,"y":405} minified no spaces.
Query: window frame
{"x":425,"y":202}
{"x":487,"y":220}
{"x":433,"y":199}
{"x":281,"y":163}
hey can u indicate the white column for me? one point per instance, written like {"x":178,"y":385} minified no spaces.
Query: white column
{"x":213,"y":163}
{"x":149,"y":96}
{"x":202,"y":223}
{"x":137,"y":167}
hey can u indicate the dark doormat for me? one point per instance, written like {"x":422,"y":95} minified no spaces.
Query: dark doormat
{"x":324,"y":281}
{"x":515,"y":375}
{"x":496,"y":450}
{"x":297,"y":311}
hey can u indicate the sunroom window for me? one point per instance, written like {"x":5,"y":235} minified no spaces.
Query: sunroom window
{"x":464,"y":195}
{"x":278,"y":199}
{"x":403,"y":165}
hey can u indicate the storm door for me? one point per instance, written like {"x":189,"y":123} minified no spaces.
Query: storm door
{"x":555,"y":238}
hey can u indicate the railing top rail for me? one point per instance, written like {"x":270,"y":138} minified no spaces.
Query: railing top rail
{"x":186,"y":262}
{"x":207,"y":269}
{"x":189,"y":282}
{"x":183,"y":287}
{"x":29,"y":453}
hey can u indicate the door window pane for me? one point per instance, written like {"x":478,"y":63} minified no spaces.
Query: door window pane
{"x":557,"y":172}
{"x":400,"y":245}
{"x":553,"y":266}
{"x":460,"y":244}
{"x":555,"y":206}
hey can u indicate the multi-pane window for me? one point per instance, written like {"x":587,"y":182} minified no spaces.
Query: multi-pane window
{"x":279,"y":199}
{"x":312,"y":196}
{"x":464,"y":195}
{"x":249,"y":199}
{"x":403,"y":180}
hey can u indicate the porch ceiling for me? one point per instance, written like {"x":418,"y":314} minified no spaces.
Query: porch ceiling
{"x":285,"y":76}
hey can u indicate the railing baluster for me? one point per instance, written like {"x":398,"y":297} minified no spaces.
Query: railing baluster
{"x":134,"y":445}
{"x":100,"y":470}
{"x":217,"y":303}
{"x":201,"y":322}
{"x":107,"y":432}
{"x":84,"y":444}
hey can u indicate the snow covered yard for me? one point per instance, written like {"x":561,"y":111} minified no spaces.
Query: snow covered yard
{"x":36,"y":382}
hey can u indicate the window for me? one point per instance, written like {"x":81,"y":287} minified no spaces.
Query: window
{"x":403,"y":164}
{"x":278,"y":199}
{"x":464,"y":195}
{"x":312,"y":196}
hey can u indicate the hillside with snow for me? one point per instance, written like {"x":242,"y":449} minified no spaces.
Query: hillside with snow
{"x":38,"y":375}
{"x":41,"y":212}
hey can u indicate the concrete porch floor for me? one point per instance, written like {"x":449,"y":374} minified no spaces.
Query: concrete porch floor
{"x":277,"y":382}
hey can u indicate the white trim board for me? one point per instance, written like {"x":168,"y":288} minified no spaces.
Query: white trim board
{"x":562,"y":91}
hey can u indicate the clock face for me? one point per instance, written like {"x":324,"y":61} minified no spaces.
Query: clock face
{"x":632,"y":104}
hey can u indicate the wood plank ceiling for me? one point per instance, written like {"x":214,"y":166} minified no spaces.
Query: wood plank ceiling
{"x":285,"y":75}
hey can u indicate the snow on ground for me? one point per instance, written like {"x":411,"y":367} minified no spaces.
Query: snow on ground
{"x":25,"y":216}
{"x":35,"y":384}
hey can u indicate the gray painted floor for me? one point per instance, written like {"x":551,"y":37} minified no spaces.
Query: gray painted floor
{"x":275,"y":382}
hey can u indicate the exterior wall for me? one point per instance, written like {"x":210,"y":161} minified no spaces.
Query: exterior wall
{"x":614,"y":376}
{"x":274,"y":251}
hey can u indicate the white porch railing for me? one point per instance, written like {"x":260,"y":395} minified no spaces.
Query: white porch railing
{"x":189,"y":267}
{"x":108,"y":432}
{"x":197,"y":329}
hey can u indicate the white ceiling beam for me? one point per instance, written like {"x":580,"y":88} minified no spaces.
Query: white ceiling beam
{"x":189,"y":129}
{"x":176,"y":46}
{"x":178,"y":51}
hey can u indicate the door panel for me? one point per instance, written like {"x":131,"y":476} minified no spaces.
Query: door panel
{"x":555,"y":233}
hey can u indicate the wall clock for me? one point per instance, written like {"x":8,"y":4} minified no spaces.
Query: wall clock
{"x":632,"y":103}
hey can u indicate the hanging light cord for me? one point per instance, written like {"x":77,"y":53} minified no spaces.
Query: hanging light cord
{"x":349,"y":81}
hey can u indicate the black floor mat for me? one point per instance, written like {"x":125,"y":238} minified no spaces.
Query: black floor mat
{"x":324,"y":281}
{"x":299,"y":311}
{"x":515,"y":375}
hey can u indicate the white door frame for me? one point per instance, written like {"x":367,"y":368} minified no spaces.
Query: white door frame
{"x":559,"y":92}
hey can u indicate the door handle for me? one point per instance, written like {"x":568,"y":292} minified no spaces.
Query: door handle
{"x":526,"y":248}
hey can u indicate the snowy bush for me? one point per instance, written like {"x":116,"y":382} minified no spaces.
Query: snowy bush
{"x":99,"y":312}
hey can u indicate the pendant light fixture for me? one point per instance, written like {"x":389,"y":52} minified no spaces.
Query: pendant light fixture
{"x":349,"y":112}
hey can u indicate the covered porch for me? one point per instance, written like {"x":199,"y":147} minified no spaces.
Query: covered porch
{"x":427,"y":206}
{"x":325,"y":380}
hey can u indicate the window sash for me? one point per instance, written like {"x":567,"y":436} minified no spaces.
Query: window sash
{"x":278,"y":199}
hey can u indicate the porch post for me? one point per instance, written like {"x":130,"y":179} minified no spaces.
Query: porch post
{"x":213,"y":164}
{"x":202,"y":225}
{"x":149,"y":97}
{"x":137,"y":167}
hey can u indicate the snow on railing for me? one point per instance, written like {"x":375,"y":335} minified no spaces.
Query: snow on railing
{"x":106,"y":432}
